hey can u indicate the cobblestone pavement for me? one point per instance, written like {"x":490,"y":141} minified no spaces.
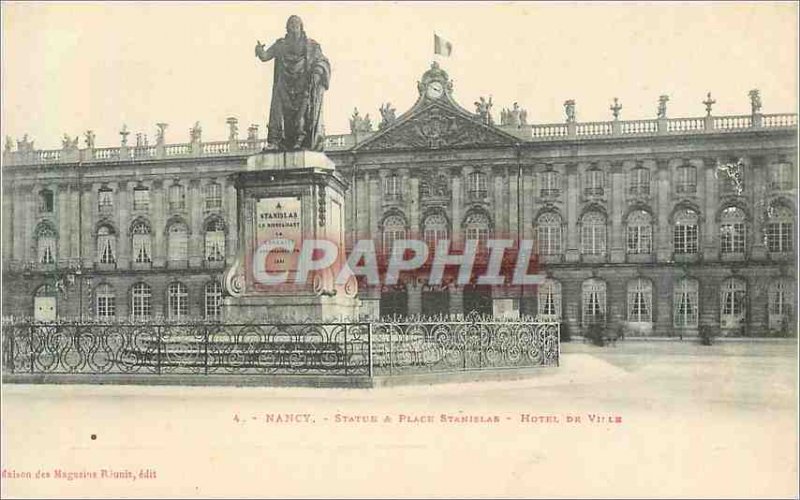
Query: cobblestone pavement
{"x":639,"y":419}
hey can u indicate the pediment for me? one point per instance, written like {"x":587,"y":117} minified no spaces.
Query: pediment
{"x":437,"y":126}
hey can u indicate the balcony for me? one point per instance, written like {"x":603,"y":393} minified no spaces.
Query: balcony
{"x":550,"y":193}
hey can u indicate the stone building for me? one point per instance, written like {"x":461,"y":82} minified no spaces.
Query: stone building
{"x":660,"y":225}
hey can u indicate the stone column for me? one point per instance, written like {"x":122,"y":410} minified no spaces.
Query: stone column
{"x":456,"y":236}
{"x":616,"y":209}
{"x":158,"y":219}
{"x":499,"y":201}
{"x":572,"y":253}
{"x":662,"y":237}
{"x":87,"y":225}
{"x":709,"y":205}
{"x":514,"y":203}
{"x":123,"y":205}
{"x":375,"y":196}
{"x":75,"y":206}
{"x":362,"y":203}
{"x":414,"y":213}
{"x":528,"y":196}
{"x":232,"y":222}
{"x":196,"y":204}
{"x":64,"y":219}
{"x":756,"y":182}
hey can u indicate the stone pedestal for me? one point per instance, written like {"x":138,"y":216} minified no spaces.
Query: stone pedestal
{"x":287,"y":200}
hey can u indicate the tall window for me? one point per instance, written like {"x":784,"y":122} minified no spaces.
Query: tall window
{"x":141,"y":198}
{"x":594,"y":301}
{"x":640,"y":301}
{"x":640,"y":233}
{"x":392,"y":187}
{"x":593,"y":234}
{"x":213,"y":196}
{"x":105,"y":302}
{"x":779,"y":230}
{"x":213,"y":300}
{"x":477,"y":185}
{"x":46,"y":201}
{"x":781,"y":176}
{"x":685,"y":303}
{"x":215,"y":241}
{"x":732,"y":298}
{"x":177,"y":242}
{"x":781,"y":302}
{"x":140,"y":301}
{"x":593,"y":182}
{"x":732,"y":230}
{"x":46,"y":244}
{"x":477,"y":228}
{"x":177,"y":300}
{"x":548,"y":233}
{"x":435,"y":230}
{"x":142,"y":249}
{"x":551,"y":184}
{"x":549,"y":299}
{"x":687,"y":180}
{"x":177,"y":197}
{"x":685,"y":235}
{"x":639,"y":181}
{"x":394,"y":228}
{"x":105,"y":200}
{"x":106,"y":245}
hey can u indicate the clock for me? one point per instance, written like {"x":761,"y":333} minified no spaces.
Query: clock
{"x":434,"y":90}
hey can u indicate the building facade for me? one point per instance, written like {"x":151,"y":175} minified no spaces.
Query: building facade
{"x":661,"y":225}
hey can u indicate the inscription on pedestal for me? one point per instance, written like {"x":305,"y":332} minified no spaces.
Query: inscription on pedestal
{"x":278,"y":222}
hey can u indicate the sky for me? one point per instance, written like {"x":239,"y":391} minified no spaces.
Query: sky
{"x":70,"y":67}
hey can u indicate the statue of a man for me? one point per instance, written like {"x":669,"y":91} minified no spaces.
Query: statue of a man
{"x":302,"y":75}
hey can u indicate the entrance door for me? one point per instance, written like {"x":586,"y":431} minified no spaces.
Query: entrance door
{"x":44,"y":308}
{"x":435,"y":303}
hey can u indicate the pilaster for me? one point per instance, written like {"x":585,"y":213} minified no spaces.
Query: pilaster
{"x":572,"y":253}
{"x":662,"y":235}
{"x":616,"y":210}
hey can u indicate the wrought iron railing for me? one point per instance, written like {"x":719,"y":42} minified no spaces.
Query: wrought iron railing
{"x":392,"y":346}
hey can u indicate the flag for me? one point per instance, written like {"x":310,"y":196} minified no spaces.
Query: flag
{"x":441,"y":46}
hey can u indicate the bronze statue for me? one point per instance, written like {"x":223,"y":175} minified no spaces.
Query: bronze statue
{"x":302,"y":75}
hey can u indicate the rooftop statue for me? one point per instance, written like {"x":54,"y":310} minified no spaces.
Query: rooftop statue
{"x":302,"y":75}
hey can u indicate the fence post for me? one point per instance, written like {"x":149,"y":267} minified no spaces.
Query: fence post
{"x":11,"y":349}
{"x":480,"y":348}
{"x":30,"y":345}
{"x":205,"y":353}
{"x":158,"y":350}
{"x":369,"y":342}
{"x":345,"y":349}
{"x":391,"y":352}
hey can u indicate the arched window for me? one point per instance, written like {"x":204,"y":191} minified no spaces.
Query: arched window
{"x":551,"y":184}
{"x":46,"y":201}
{"x":177,"y":300}
{"x":177,"y":242}
{"x":593,"y":182}
{"x":686,"y":182}
{"x":177,"y":197}
{"x":435,"y":230}
{"x":106,"y":245}
{"x":140,"y":301}
{"x":685,"y":303}
{"x":781,"y":303}
{"x":732,"y":230}
{"x":640,"y":233}
{"x":732,"y":297}
{"x":105,"y":302}
{"x":141,"y":243}
{"x":639,"y":181}
{"x":213,"y":300}
{"x":477,"y":185}
{"x":685,"y":234}
{"x":394,"y":228}
{"x":105,"y":200}
{"x":594,"y":301}
{"x":640,"y":301}
{"x":392,"y":187}
{"x":593,"y":234}
{"x":778,"y":232}
{"x":215,"y":241}
{"x":549,"y":300}
{"x":46,"y":244}
{"x":548,"y":234}
{"x":213,"y":192}
{"x":476,"y":227}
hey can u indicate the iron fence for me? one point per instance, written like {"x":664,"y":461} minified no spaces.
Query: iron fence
{"x":388,"y":346}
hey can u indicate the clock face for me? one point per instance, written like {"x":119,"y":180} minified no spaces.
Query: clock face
{"x":435,"y":90}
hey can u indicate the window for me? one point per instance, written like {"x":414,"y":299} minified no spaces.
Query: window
{"x":732,"y":230}
{"x":46,"y":244}
{"x":177,"y":242}
{"x":594,"y":301}
{"x":213,"y":196}
{"x":593,"y":234}
{"x":548,"y":234}
{"x":177,"y":300}
{"x":213,"y":300}
{"x":549,"y":299}
{"x":141,"y":198}
{"x":141,"y":243}
{"x":779,"y":230}
{"x":640,"y":233}
{"x":781,"y":176}
{"x":392,"y":187}
{"x":477,"y":228}
{"x":593,"y":182}
{"x":732,"y":298}
{"x":140,"y":301}
{"x":105,"y":200}
{"x":687,"y":180}
{"x":215,"y":241}
{"x":177,"y":197}
{"x":477,"y":185}
{"x":46,"y":201}
{"x":106,"y":245}
{"x":551,"y":184}
{"x":640,"y":301}
{"x":394,"y":228}
{"x":105,"y":302}
{"x":639,"y":182}
{"x":435,"y":230}
{"x":685,"y":303}
{"x":685,"y":236}
{"x":781,"y":302}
